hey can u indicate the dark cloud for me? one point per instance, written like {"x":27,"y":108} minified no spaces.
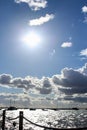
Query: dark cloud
{"x":80,"y":99}
{"x":70,"y":91}
{"x":22,"y":83}
{"x":71,"y":78}
{"x":5,"y":79}
{"x":45,"y":90}
{"x":72,"y":81}
{"x":46,"y":83}
{"x":27,"y":83}
{"x":46,"y":87}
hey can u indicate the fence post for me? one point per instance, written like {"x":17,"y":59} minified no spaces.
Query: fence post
{"x":21,"y":120}
{"x":3,"y":120}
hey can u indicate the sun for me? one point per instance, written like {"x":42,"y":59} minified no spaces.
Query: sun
{"x":31,"y":39}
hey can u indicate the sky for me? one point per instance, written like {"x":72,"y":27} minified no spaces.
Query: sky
{"x":43,"y":53}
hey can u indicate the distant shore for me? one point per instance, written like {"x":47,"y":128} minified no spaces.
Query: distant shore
{"x":73,"y":108}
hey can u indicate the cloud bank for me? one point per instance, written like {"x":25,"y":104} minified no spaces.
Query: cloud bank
{"x":41,"y":20}
{"x":68,"y":86}
{"x":34,"y":4}
{"x":42,"y":86}
{"x":69,"y":80}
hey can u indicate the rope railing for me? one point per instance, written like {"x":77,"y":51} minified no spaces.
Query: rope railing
{"x":37,"y":124}
{"x":52,"y":128}
{"x":12,"y":118}
{"x":21,"y":117}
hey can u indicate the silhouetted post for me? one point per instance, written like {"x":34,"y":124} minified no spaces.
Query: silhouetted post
{"x":3,"y":120}
{"x":21,"y":120}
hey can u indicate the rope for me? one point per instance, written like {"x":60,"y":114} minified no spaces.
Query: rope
{"x":36,"y":124}
{"x":12,"y":118}
{"x":51,"y":128}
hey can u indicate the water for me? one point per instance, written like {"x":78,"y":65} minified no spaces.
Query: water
{"x":49,"y":118}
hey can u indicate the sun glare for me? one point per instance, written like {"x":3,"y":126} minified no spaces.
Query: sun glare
{"x":32,"y":39}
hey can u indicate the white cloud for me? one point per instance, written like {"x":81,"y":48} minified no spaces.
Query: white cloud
{"x":83,"y":52}
{"x":66,"y":44}
{"x":34,"y":4}
{"x":41,"y":20}
{"x":19,"y":1}
{"x":83,"y":69}
{"x":84,"y":9}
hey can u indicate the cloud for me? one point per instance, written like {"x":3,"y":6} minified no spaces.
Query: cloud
{"x":71,"y":80}
{"x":22,"y":83}
{"x":83,"y":52}
{"x":8,"y":80}
{"x":83,"y":70}
{"x":34,"y":4}
{"x":41,"y":20}
{"x":78,"y":98}
{"x":66,"y":44}
{"x":5,"y":79}
{"x":28,"y":84}
{"x":84,"y":9}
{"x":46,"y":86}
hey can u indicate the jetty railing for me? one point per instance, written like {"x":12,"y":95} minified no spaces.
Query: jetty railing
{"x":21,"y":117}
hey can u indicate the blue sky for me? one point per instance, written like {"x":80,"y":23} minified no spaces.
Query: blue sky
{"x":39,"y":66}
{"x":67,"y":23}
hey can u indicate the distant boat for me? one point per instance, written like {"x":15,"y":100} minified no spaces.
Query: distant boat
{"x":33,"y":109}
{"x":75,"y":108}
{"x":11,"y":108}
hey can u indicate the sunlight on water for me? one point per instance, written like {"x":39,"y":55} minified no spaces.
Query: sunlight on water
{"x":49,"y":118}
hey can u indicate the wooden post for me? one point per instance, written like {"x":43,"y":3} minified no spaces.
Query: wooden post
{"x":21,"y":120}
{"x":3,"y":120}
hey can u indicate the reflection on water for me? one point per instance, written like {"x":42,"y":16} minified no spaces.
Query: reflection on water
{"x":50,"y":118}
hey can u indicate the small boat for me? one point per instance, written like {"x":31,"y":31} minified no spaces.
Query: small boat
{"x":75,"y":108}
{"x":11,"y":108}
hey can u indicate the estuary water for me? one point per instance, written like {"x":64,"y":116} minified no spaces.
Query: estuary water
{"x":49,"y":118}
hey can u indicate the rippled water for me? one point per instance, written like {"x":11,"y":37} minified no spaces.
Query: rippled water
{"x":49,"y":118}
